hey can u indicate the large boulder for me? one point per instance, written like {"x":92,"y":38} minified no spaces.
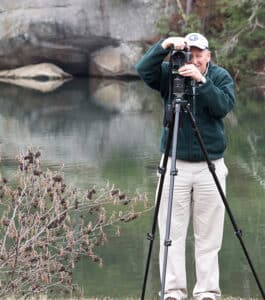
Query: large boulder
{"x":68,"y":33}
{"x":41,"y":77}
{"x":37,"y":71}
{"x":114,"y":61}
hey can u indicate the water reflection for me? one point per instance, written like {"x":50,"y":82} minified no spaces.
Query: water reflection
{"x":74,"y":126}
{"x":110,"y":130}
{"x":41,"y":86}
{"x":246,"y":189}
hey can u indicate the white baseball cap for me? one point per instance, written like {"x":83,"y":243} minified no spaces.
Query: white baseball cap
{"x":197,"y":40}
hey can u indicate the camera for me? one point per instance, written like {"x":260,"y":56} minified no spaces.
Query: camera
{"x":180,"y":58}
{"x":180,"y":85}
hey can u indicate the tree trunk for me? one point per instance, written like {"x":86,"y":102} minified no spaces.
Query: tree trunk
{"x":188,"y":7}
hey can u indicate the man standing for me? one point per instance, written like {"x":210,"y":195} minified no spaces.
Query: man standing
{"x":195,"y":192}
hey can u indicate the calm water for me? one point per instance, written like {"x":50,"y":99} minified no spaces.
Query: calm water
{"x":109,"y":131}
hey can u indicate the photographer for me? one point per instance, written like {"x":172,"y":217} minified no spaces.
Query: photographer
{"x":195,"y":192}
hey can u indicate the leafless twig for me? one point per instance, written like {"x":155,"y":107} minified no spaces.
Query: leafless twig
{"x":46,"y":227}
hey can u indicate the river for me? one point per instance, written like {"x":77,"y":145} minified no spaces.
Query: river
{"x":107,"y":130}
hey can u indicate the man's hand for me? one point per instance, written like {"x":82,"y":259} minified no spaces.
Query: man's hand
{"x":190,"y":70}
{"x":178,"y":43}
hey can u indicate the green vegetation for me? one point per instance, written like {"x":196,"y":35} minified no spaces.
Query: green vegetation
{"x":235,"y":30}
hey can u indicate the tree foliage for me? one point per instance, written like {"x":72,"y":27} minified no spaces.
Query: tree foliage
{"x":242,"y":43}
{"x":47,"y":225}
{"x":235,"y":30}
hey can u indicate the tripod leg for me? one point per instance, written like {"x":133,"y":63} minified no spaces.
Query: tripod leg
{"x":173,"y":173}
{"x":151,"y":236}
{"x":211,"y":167}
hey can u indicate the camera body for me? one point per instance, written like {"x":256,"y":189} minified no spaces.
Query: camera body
{"x":180,"y":85}
{"x":180,"y":58}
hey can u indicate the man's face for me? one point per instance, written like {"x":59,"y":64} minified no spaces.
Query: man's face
{"x":200,"y":58}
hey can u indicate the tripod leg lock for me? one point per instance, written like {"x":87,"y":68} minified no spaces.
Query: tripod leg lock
{"x":239,"y":233}
{"x":161,"y":171}
{"x":212,"y":167}
{"x":174,"y":172}
{"x":150,"y":236}
{"x":167,"y":243}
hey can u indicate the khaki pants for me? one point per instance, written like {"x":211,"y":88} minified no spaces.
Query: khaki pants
{"x":196,"y":194}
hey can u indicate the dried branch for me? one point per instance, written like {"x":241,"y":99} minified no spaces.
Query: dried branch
{"x":46,"y":227}
{"x":181,"y":12}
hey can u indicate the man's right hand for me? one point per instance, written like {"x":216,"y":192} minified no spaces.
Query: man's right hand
{"x":178,"y":43}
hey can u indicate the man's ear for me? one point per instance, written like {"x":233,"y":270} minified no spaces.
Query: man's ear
{"x":209,"y":55}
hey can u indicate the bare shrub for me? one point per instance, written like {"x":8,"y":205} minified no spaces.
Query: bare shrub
{"x":47,"y":225}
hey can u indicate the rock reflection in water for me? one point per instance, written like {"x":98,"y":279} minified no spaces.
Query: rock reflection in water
{"x":122,"y":96}
{"x":83,"y":121}
{"x":33,"y":84}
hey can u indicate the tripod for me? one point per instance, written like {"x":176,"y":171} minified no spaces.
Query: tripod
{"x":172,"y":123}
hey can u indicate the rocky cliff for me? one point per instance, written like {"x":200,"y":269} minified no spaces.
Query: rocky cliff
{"x":83,"y":37}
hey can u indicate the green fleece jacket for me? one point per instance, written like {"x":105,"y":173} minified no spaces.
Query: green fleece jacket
{"x":213,"y":100}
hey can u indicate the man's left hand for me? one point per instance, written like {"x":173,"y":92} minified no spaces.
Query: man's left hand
{"x":190,"y":70}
